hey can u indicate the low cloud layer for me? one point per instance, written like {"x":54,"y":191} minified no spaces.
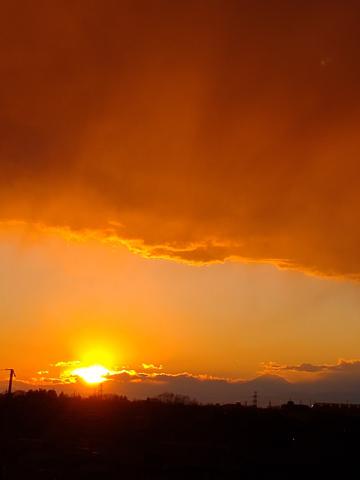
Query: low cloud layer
{"x":332,"y":383}
{"x":196,"y":131}
{"x":342,"y":366}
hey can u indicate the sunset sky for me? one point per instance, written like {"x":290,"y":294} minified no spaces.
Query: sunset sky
{"x":179,"y":192}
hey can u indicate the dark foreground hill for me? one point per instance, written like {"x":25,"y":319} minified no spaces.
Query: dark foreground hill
{"x":45,"y":436}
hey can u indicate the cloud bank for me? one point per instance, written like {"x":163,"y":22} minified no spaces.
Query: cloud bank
{"x":342,"y":366}
{"x":195,"y":131}
{"x":330,"y":383}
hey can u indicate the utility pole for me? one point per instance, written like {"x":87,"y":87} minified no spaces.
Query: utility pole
{"x":12,"y":375}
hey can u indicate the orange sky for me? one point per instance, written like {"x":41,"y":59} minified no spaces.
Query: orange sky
{"x":199,"y":132}
{"x":92,"y":302}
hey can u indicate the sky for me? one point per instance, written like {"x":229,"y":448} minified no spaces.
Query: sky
{"x":179,"y":189}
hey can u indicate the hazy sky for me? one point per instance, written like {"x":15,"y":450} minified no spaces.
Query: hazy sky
{"x":161,"y":160}
{"x":85,"y":300}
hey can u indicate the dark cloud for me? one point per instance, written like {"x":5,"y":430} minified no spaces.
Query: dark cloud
{"x":303,"y":367}
{"x":343,"y":366}
{"x":198,"y":131}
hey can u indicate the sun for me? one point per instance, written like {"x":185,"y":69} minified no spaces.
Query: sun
{"x":92,"y":374}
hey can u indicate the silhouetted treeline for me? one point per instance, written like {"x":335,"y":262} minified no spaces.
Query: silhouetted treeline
{"x":46,"y":436}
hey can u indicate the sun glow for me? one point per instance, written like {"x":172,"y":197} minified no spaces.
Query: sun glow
{"x":93,"y":374}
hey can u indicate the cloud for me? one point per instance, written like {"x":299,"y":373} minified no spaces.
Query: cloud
{"x":303,"y":367}
{"x":151,"y":366}
{"x":201,"y":387}
{"x":342,"y":366}
{"x":197,"y":132}
{"x":69,"y":363}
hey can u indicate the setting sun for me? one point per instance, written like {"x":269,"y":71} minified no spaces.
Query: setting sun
{"x":92,"y":374}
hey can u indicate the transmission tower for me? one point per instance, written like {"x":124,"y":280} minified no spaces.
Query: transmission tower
{"x":255,"y":399}
{"x":11,"y":376}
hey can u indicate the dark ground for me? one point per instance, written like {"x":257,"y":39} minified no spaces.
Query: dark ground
{"x":49,"y":437}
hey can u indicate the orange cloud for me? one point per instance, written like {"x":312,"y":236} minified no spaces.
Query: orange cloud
{"x":343,"y":367}
{"x":151,"y":366}
{"x":69,"y":363}
{"x":198,"y":132}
